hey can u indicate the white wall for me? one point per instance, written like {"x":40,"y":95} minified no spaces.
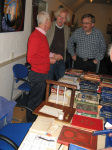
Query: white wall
{"x":13,"y":45}
{"x":54,"y":4}
{"x":101,"y":12}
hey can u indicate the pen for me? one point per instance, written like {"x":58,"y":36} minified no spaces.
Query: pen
{"x":60,"y":147}
{"x":45,"y":139}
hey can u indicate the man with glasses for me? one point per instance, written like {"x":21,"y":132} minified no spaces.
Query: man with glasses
{"x":90,"y":45}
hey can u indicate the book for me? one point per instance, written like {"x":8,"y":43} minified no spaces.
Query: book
{"x":87,"y":122}
{"x":83,"y":107}
{"x":92,"y":77}
{"x":106,"y":85}
{"x":77,"y":136}
{"x":84,"y":97}
{"x":68,"y":79}
{"x":74,"y":72}
{"x":105,"y":76}
{"x":85,"y":114}
{"x":75,"y":147}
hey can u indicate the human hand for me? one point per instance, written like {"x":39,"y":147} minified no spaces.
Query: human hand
{"x":74,"y":57}
{"x":52,"y":60}
{"x":95,"y":61}
{"x":110,"y":134}
{"x":58,"y":57}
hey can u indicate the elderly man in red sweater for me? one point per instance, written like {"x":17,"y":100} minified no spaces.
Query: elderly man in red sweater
{"x":38,"y":58}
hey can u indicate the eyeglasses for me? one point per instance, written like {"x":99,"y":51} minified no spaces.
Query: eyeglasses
{"x":87,"y":23}
{"x":62,"y":17}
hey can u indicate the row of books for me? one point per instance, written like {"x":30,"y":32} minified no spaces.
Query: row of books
{"x":80,"y":133}
{"x":103,"y":80}
{"x":86,"y":100}
{"x":106,"y":102}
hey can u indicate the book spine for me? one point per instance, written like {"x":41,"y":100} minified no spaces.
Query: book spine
{"x":62,"y":142}
{"x":85,"y":111}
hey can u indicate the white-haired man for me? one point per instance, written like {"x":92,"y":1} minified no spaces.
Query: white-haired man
{"x":38,"y":58}
{"x":57,"y":37}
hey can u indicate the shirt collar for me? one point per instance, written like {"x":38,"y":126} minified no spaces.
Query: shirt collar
{"x":41,"y":30}
{"x":93,"y":29}
{"x":59,"y":26}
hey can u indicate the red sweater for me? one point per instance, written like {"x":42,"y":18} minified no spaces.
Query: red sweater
{"x":38,"y":52}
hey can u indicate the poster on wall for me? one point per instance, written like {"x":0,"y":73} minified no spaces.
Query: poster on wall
{"x":12,"y":14}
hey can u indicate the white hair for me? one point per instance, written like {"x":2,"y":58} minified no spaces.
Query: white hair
{"x":60,"y":10}
{"x":42,"y":17}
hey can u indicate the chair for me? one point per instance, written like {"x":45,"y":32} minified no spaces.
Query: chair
{"x":11,"y":134}
{"x":20,"y":73}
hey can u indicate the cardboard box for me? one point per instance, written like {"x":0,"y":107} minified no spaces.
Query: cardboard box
{"x":19,"y":115}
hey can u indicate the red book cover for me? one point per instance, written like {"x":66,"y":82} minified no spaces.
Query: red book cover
{"x":87,"y":122}
{"x":77,"y":136}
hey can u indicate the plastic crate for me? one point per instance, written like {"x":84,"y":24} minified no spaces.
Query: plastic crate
{"x":3,"y":121}
{"x":6,"y":111}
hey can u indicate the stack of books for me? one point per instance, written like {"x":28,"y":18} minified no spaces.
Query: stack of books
{"x":87,"y":123}
{"x":74,"y":72}
{"x":87,"y":99}
{"x":70,"y":80}
{"x":106,"y":81}
{"x":92,"y":76}
{"x":80,"y":133}
{"x":78,"y":137}
{"x":106,"y":102}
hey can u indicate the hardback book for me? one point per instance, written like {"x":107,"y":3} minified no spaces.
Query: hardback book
{"x":75,"y":147}
{"x":88,"y":85}
{"x":106,"y":103}
{"x":84,"y":97}
{"x":86,"y":114}
{"x":77,"y":136}
{"x":68,"y":79}
{"x":107,"y":81}
{"x":106,"y":90}
{"x":84,"y":107}
{"x":106,"y":84}
{"x":87,"y":122}
{"x":93,"y":74}
{"x":92,"y":77}
{"x":74,"y":72}
{"x":106,"y":77}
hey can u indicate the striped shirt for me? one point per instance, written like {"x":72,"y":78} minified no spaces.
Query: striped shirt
{"x":91,"y":46}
